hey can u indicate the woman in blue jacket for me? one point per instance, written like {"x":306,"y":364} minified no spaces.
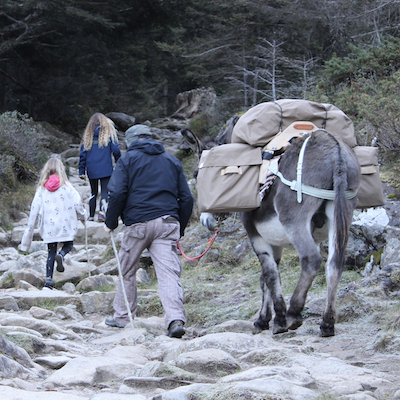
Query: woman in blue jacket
{"x":99,"y":144}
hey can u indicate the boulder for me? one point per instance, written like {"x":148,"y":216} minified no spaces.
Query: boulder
{"x":122,"y":121}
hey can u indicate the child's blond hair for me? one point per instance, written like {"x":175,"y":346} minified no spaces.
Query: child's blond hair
{"x":53,"y":167}
{"x":107,"y":131}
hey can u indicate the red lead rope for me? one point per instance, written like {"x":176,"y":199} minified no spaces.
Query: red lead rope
{"x":204,"y":252}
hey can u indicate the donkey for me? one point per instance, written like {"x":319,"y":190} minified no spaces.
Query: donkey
{"x":281,"y":221}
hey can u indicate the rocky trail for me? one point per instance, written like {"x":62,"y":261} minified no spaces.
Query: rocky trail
{"x":55,"y":345}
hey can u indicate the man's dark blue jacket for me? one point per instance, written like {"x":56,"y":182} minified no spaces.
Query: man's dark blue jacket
{"x":146,"y":184}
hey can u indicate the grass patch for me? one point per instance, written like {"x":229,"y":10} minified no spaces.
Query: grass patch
{"x":389,"y":173}
{"x":388,"y":317}
{"x":48,"y":304}
{"x":220,"y":392}
{"x":189,"y":164}
{"x":12,"y":203}
{"x":221,"y":290}
{"x":22,"y":341}
{"x":7,"y":280}
{"x":149,"y":306}
{"x":385,"y":341}
{"x":106,"y":288}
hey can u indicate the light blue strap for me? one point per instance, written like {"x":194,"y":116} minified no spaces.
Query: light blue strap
{"x":310,"y":190}
{"x":299,"y":170}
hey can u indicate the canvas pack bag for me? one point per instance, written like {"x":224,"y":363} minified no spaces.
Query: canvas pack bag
{"x":227,"y":179}
{"x":262,"y":123}
{"x":370,"y":193}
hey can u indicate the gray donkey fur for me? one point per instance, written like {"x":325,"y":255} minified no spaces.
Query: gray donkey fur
{"x":281,"y":222}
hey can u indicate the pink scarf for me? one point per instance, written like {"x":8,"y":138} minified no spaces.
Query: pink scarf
{"x":53,"y":183}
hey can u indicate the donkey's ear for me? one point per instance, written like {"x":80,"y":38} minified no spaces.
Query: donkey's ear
{"x":192,"y":141}
{"x":189,"y":136}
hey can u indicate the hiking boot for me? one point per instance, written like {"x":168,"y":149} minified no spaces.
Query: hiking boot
{"x":110,"y":321}
{"x":100,"y":217}
{"x":176,"y":329}
{"x":48,"y":285}
{"x":60,"y":263}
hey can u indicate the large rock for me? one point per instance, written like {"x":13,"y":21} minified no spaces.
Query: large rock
{"x":12,"y":278}
{"x":28,"y":299}
{"x":122,"y":121}
{"x":84,"y":371}
{"x":97,"y":302}
{"x":11,"y":369}
{"x":391,"y":252}
{"x":10,"y":393}
{"x":8,"y":303}
{"x":194,"y":101}
{"x":211,"y":362}
{"x":96,"y":282}
{"x":15,"y":353}
{"x":46,"y":328}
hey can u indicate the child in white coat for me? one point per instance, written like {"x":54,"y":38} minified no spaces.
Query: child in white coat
{"x":54,"y":208}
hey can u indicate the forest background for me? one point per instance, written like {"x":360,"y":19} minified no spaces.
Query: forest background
{"x":63,"y":60}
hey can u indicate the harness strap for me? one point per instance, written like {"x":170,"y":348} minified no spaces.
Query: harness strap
{"x":325,"y":194}
{"x":300,"y":170}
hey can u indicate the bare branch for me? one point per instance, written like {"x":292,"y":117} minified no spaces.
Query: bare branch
{"x":209,"y":51}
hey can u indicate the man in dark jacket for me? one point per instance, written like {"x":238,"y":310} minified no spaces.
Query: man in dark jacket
{"x":149,"y":191}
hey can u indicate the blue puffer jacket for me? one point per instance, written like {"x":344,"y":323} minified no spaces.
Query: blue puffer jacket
{"x":97,"y":162}
{"x":148,"y":183}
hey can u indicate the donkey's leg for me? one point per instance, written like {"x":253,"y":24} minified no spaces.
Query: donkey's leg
{"x":265,"y":314}
{"x":269,"y":267}
{"x":333,"y":273}
{"x":271,"y":286}
{"x":298,"y":230}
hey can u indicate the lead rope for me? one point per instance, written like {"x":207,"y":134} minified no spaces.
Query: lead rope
{"x":202,"y":254}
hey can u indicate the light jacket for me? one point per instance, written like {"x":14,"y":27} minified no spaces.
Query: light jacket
{"x":97,"y":161}
{"x":55,"y":213}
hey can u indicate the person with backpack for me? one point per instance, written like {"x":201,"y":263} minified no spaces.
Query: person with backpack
{"x":149,"y":191}
{"x":54,"y":208}
{"x":99,"y":144}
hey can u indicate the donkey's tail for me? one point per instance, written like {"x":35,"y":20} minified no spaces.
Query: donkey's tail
{"x":341,"y":206}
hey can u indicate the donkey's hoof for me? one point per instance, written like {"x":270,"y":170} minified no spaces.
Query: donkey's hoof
{"x":279,"y":329}
{"x":327,"y":331}
{"x":294,"y":323}
{"x":259,"y":327}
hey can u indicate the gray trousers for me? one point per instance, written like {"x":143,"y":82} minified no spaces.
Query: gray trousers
{"x":159,"y":236}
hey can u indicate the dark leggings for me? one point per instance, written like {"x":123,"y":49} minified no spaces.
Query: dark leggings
{"x":94,"y":187}
{"x":52,"y":249}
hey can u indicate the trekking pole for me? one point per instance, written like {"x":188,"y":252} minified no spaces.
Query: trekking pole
{"x":86,"y":246}
{"x":105,"y":208}
{"x":121,"y":279}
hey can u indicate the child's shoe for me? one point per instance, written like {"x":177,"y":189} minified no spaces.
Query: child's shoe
{"x":49,"y":284}
{"x":60,"y":262}
{"x":100,"y":218}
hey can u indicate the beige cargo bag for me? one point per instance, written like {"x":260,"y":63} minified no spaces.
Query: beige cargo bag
{"x":261,"y":123}
{"x":227,"y":180}
{"x":370,"y":193}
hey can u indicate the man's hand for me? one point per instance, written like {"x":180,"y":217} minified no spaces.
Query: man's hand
{"x":106,"y":228}
{"x":83,"y":177}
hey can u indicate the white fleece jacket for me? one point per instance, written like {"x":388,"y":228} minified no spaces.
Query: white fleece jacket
{"x":55,"y":214}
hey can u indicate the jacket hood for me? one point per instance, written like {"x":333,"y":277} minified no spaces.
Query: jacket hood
{"x":148,"y":146}
{"x":53,"y":183}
